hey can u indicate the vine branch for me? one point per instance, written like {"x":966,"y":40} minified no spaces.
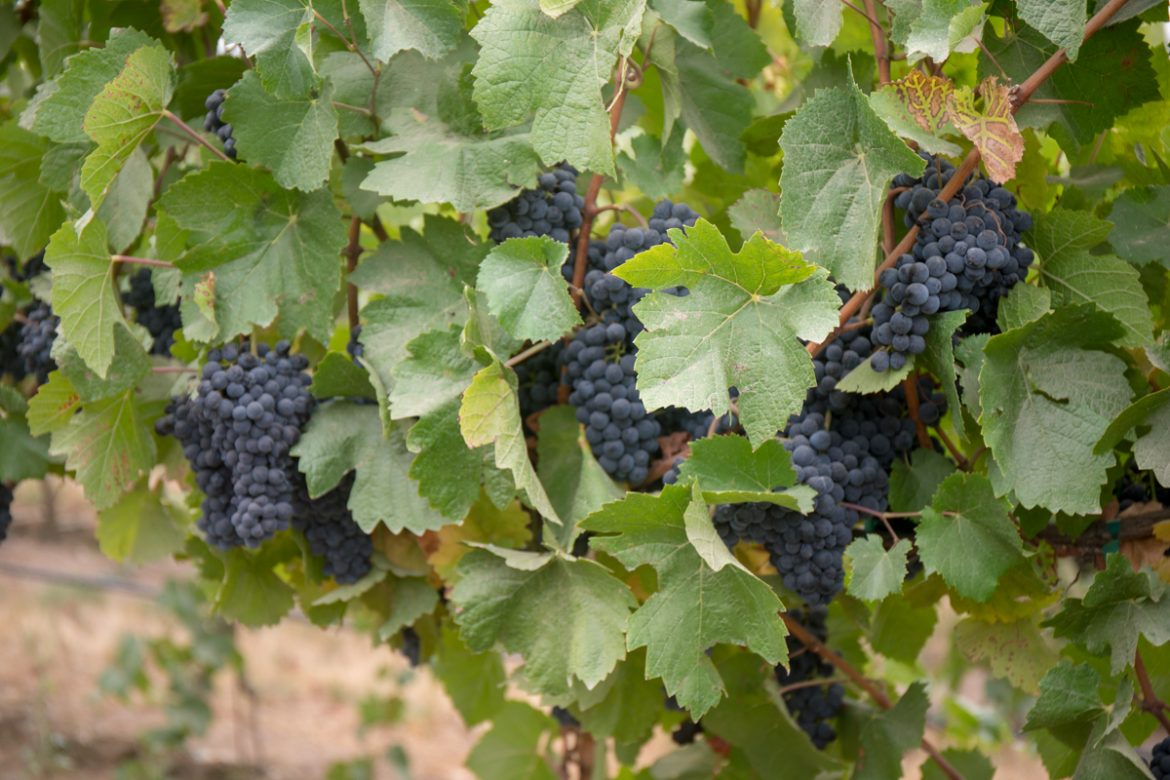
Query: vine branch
{"x":353,"y":251}
{"x":131,"y":260}
{"x":881,"y":51}
{"x":1150,"y":701}
{"x":861,"y":681}
{"x":193,"y":135}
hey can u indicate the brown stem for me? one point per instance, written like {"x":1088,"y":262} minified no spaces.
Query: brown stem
{"x":626,"y":208}
{"x":520,"y":357}
{"x":880,"y":50}
{"x":350,"y":45}
{"x":353,"y":251}
{"x":796,"y":686}
{"x":173,"y":370}
{"x":190,"y":132}
{"x":374,"y":222}
{"x":910,"y":388}
{"x":130,"y":260}
{"x":754,"y":7}
{"x":850,"y":5}
{"x":962,"y":461}
{"x":858,"y":679}
{"x":168,"y":160}
{"x":1150,"y":701}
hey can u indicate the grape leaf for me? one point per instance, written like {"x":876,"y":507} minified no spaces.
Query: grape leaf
{"x":442,"y":452}
{"x":525,"y":290}
{"x":1014,"y":650}
{"x":343,"y":437}
{"x":739,"y":326}
{"x":252,"y":592}
{"x":916,"y":106}
{"x":1026,"y":303}
{"x":1152,"y":450}
{"x":432,"y":27}
{"x":913,"y":484}
{"x":817,"y":23}
{"x":273,"y":251}
{"x":108,"y":445}
{"x":486,"y":523}
{"x":338,"y":376}
{"x":715,"y":107}
{"x":586,"y":607}
{"x":864,"y":380}
{"x":474,"y":681}
{"x":577,"y":485}
{"x":901,"y":628}
{"x":1120,"y":606}
{"x":871,"y":571}
{"x":292,"y":137}
{"x":510,"y":750}
{"x":657,"y":168}
{"x":728,"y":471}
{"x":625,"y":705}
{"x":887,"y":736}
{"x":61,"y":104}
{"x":1048,"y":393}
{"x":23,"y":456}
{"x":29,"y":210}
{"x":1068,"y":694}
{"x":130,"y":365}
{"x":692,"y":19}
{"x":83,"y":292}
{"x":411,"y":598}
{"x":53,"y":406}
{"x":562,"y":96}
{"x":267,"y":30}
{"x":757,"y":210}
{"x":935,"y":28}
{"x":435,"y":373}
{"x":992,"y":129}
{"x":967,"y":536}
{"x":1063,"y":239}
{"x":142,"y":527}
{"x":838,"y":158}
{"x":1141,"y":225}
{"x":695,"y":606}
{"x":125,"y":206}
{"x":123,"y":114}
{"x":1060,"y":21}
{"x":59,"y":32}
{"x":490,"y":414}
{"x":738,"y":47}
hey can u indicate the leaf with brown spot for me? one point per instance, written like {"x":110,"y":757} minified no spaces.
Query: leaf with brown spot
{"x":993,"y":130}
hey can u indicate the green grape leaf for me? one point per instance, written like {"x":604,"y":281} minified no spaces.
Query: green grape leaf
{"x":1152,"y":450}
{"x":29,"y":210}
{"x":657,"y":167}
{"x":252,"y":592}
{"x":901,"y":628}
{"x":817,"y":24}
{"x":1048,"y":392}
{"x":577,"y":485}
{"x":692,"y":19}
{"x":1014,"y":650}
{"x":59,"y":32}
{"x":431,"y":27}
{"x":510,"y":750}
{"x":292,"y":137}
{"x":61,"y":104}
{"x":914,"y":483}
{"x":125,"y":206}
{"x":1117,"y":56}
{"x":123,"y":114}
{"x":23,"y":456}
{"x":1026,"y":303}
{"x":935,"y":28}
{"x":738,"y":46}
{"x":1068,"y":694}
{"x":343,"y":437}
{"x":53,"y":406}
{"x":887,"y":736}
{"x":83,"y":292}
{"x":142,"y":526}
{"x":442,"y":452}
{"x":267,"y":30}
{"x":130,"y":365}
{"x":717,"y":109}
{"x":514,"y":607}
{"x":273,"y":251}
{"x":421,"y":277}
{"x":490,"y":414}
{"x":108,"y":445}
{"x":740,"y":326}
{"x":486,"y":523}
{"x":1149,"y":451}
{"x":871,"y":571}
{"x":435,"y":373}
{"x":1062,"y":239}
{"x":864,"y":380}
{"x":1060,"y":21}
{"x":696,"y":606}
{"x":625,"y":705}
{"x":563,"y":96}
{"x":728,"y":471}
{"x":838,"y":158}
{"x":525,"y":290}
{"x":971,"y":764}
{"x":476,"y":682}
{"x":939,"y":360}
{"x":967,"y":536}
{"x":411,"y":598}
{"x":1120,"y":606}
{"x":757,"y":210}
{"x":338,"y":376}
{"x":1141,"y":225}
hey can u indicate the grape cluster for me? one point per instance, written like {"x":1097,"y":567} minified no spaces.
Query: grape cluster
{"x":5,"y":510}
{"x":686,"y":732}
{"x":600,"y":370}
{"x":161,"y":321}
{"x":213,"y":122}
{"x":539,"y":378}
{"x":1160,"y":760}
{"x":564,"y":718}
{"x":814,"y":706}
{"x":11,"y":360}
{"x":967,"y":255}
{"x":35,"y":346}
{"x":331,"y":532}
{"x":236,"y":432}
{"x":552,"y":209}
{"x":1136,"y":487}
{"x":412,"y":646}
{"x":354,"y":347}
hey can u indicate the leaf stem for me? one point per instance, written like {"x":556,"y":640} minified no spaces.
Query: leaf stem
{"x":131,"y":260}
{"x":960,"y":459}
{"x":628,"y":209}
{"x":352,"y":252}
{"x":881,"y":51}
{"x":190,"y":132}
{"x":374,"y":222}
{"x":910,"y":388}
{"x":796,"y":686}
{"x":857,"y":678}
{"x":173,"y":369}
{"x":1150,"y":701}
{"x":520,"y":357}
{"x":350,"y":45}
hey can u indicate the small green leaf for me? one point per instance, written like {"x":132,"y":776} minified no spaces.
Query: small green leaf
{"x":740,"y":326}
{"x":914,"y":483}
{"x":577,"y":485}
{"x":1141,"y":225}
{"x":939,"y":360}
{"x":1060,"y":21}
{"x":585,"y":607}
{"x":865,"y":381}
{"x":338,"y":376}
{"x":141,"y":527}
{"x":476,"y":682}
{"x":510,"y":750}
{"x":729,"y":471}
{"x":887,"y":736}
{"x":1068,"y":694}
{"x":23,"y":456}
{"x":53,"y":406}
{"x":525,"y":289}
{"x":692,"y":19}
{"x":871,"y":571}
{"x":967,"y":536}
{"x":1026,"y":303}
{"x":252,"y":592}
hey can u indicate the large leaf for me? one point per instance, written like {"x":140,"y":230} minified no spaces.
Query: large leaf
{"x":729,"y":471}
{"x":432,"y":27}
{"x":525,"y":290}
{"x":577,"y":485}
{"x":510,"y":750}
{"x":267,"y":29}
{"x":696,"y":605}
{"x":142,"y":527}
{"x":716,"y":108}
{"x":435,"y":373}
{"x":1060,"y":21}
{"x":838,"y":158}
{"x":29,"y":210}
{"x":565,"y":617}
{"x":551,"y":71}
{"x":474,"y":681}
{"x":887,"y":736}
{"x":1141,"y":225}
{"x":739,"y":327}
{"x":272,"y":251}
{"x":1048,"y":393}
{"x":442,"y":452}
